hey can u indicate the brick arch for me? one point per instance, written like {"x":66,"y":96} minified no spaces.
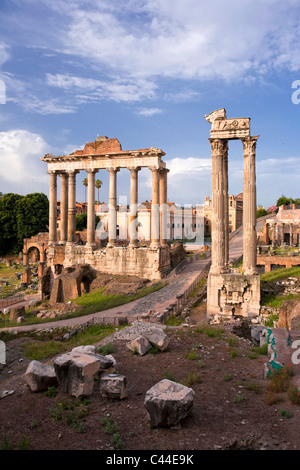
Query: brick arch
{"x":40,"y":242}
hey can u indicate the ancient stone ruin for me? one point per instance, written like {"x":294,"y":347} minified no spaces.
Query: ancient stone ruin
{"x":151,"y":262}
{"x":232,"y":294}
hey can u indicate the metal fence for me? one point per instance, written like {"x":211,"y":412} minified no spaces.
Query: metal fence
{"x":11,"y":300}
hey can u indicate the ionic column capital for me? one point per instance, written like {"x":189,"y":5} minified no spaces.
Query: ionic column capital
{"x":134,"y":169}
{"x":153,"y":169}
{"x":112,"y":170}
{"x":163,"y":171}
{"x":92,"y":170}
{"x":72,"y":172}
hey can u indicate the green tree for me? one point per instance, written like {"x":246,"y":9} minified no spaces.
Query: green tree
{"x":261,"y":212}
{"x":8,"y":223}
{"x":98,"y":184}
{"x":32,"y":216}
{"x":85,"y":184}
{"x":81,"y":221}
{"x":284,"y":201}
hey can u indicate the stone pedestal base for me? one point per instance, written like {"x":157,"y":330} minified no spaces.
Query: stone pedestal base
{"x":232,"y":295}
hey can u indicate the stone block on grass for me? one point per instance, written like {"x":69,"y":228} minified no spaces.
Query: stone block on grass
{"x":39,"y":377}
{"x":168,"y":402}
{"x":140,"y":345}
{"x":113,"y":386}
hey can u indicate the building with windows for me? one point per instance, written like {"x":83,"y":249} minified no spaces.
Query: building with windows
{"x":235,"y":208}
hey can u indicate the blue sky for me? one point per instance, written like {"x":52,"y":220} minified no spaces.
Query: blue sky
{"x":147,"y":72}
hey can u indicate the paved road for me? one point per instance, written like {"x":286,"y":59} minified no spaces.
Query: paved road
{"x":156,"y":300}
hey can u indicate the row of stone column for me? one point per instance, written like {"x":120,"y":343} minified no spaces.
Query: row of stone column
{"x":220,"y":212}
{"x":68,"y":207}
{"x":279,"y":229}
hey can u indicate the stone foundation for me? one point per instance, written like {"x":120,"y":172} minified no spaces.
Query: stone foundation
{"x":232,"y":295}
{"x":147,"y":263}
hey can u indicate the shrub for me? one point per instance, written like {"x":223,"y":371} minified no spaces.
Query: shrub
{"x":192,"y":355}
{"x":285,"y":413}
{"x":107,"y":348}
{"x":239,"y":398}
{"x":271,"y":398}
{"x":279,"y":380}
{"x":51,"y":392}
{"x":253,"y":386}
{"x":294,"y":395}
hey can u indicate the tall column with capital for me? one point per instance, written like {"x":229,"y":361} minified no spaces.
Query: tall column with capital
{"x":155,"y":238}
{"x":112,"y":211}
{"x":219,"y":148}
{"x":163,"y":205}
{"x":249,"y":207}
{"x":91,"y":208}
{"x":64,"y":178}
{"x":53,"y":208}
{"x":133,"y":234}
{"x":226,"y":208}
{"x":72,"y":206}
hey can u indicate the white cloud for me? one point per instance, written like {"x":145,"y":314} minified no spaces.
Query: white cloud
{"x":4,"y":52}
{"x":148,"y":112}
{"x":20,"y":153}
{"x":192,"y":166}
{"x":191,"y":39}
{"x":117,"y":89}
{"x":31,"y":103}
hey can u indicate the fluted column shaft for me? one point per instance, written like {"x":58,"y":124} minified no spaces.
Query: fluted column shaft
{"x":72,"y":207}
{"x":226,"y":208}
{"x":133,"y":234}
{"x":291,"y":234}
{"x":249,"y":207}
{"x":155,"y":243}
{"x":163,"y":205}
{"x":53,"y":208}
{"x":219,"y":148}
{"x":91,"y":208}
{"x":64,"y":177}
{"x":112,"y":211}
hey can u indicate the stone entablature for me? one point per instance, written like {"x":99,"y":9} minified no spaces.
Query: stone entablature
{"x":223,"y":128}
{"x":106,"y":156}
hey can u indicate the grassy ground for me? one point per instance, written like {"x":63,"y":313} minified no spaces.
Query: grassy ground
{"x":46,"y":347}
{"x":7,"y":273}
{"x":86,"y":304}
{"x":273,"y":300}
{"x":98,"y":301}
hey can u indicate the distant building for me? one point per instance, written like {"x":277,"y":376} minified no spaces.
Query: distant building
{"x":182,"y":222}
{"x":235,"y":212}
{"x":284,"y":228}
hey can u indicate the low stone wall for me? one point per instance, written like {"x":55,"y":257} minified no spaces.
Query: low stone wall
{"x":143,"y":262}
{"x":284,"y":261}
